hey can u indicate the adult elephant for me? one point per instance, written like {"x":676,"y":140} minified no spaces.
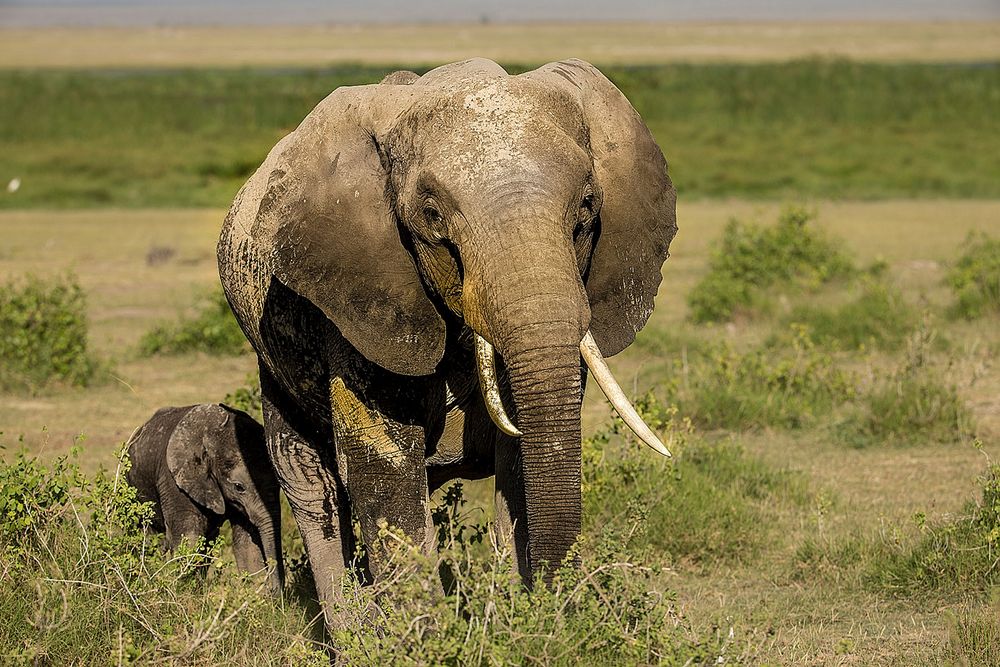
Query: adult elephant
{"x":402,"y":233}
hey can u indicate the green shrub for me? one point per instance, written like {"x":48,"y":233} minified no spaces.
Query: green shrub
{"x":213,"y":329}
{"x":43,"y":334}
{"x":750,"y":258}
{"x":603,"y":610}
{"x":81,"y":582}
{"x":975,"y":278}
{"x":956,"y":555}
{"x":913,"y":404}
{"x":710,"y":505}
{"x":247,"y":398}
{"x":878,"y":318}
{"x":760,"y":388}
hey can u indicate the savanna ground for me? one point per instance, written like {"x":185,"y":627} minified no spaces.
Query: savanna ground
{"x":827,"y":505}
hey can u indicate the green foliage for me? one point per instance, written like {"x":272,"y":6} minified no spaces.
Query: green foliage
{"x":750,"y":258}
{"x":975,"y":278}
{"x":974,"y":639}
{"x":212,"y":329}
{"x":760,"y":388}
{"x":247,"y":398}
{"x":878,"y":318}
{"x":603,"y":610}
{"x":43,"y":334}
{"x":809,"y":128}
{"x":710,"y":505}
{"x":913,"y":404}
{"x":81,"y":582}
{"x":955,"y":555}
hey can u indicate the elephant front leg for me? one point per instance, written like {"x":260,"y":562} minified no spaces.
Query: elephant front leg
{"x":381,"y":459}
{"x":305,"y":468}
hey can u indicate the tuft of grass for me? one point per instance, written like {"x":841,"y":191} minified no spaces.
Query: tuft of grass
{"x":749,"y":258}
{"x":975,"y":278}
{"x":43,"y":334}
{"x":760,"y":388}
{"x":878,"y":318}
{"x":974,"y":640}
{"x":913,"y":404}
{"x":704,"y":508}
{"x":212,"y":329}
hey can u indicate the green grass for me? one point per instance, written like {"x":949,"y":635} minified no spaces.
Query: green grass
{"x":975,"y":278}
{"x":811,"y":128}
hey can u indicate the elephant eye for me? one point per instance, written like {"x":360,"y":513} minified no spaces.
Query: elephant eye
{"x":432,"y":215}
{"x":587,"y":205}
{"x":240,"y":487}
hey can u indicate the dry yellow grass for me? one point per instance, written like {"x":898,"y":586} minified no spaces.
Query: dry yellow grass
{"x":615,"y":43}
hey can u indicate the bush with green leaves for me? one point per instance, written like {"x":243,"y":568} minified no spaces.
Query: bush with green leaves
{"x":975,"y":278}
{"x":711,"y":504}
{"x":878,"y":318}
{"x":43,"y":334}
{"x":247,"y":398}
{"x":912,"y":404}
{"x":750,"y":258}
{"x":763,"y":387}
{"x":212,"y":329}
{"x":82,"y":583}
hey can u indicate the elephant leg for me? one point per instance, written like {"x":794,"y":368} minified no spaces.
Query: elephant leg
{"x":247,"y":547}
{"x":306,"y":471}
{"x":382,"y":459}
{"x":511,"y":510}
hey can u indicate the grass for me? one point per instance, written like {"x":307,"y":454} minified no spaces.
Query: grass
{"x":722,"y":526}
{"x":812,"y":128}
{"x":212,"y":329}
{"x":975,"y":278}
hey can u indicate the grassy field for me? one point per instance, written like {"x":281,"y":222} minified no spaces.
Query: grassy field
{"x":776,"y":613}
{"x":620,"y":43}
{"x":814,"y":129}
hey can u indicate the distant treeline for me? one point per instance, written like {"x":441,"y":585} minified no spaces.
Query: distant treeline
{"x":812,"y":128}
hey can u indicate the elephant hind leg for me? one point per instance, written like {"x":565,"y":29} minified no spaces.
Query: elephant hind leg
{"x":305,"y":466}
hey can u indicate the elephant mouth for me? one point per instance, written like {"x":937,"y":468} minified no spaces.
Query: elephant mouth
{"x":489,"y":386}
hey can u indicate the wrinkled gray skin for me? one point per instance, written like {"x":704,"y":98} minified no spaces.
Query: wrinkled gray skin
{"x":202,"y":465}
{"x":394,"y":222}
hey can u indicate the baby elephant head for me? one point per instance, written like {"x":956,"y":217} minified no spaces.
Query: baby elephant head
{"x":217,"y":457}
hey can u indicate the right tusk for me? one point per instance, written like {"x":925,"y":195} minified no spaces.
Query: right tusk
{"x":606,"y":381}
{"x":486,"y":363}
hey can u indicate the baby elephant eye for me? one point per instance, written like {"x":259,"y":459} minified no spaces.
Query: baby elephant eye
{"x":240,"y":487}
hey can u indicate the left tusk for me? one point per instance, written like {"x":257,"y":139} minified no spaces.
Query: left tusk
{"x":606,"y":381}
{"x":486,"y":363}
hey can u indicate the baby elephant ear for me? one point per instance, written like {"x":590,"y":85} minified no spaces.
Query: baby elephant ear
{"x":322,"y":207}
{"x":637,"y":217}
{"x":188,"y":455}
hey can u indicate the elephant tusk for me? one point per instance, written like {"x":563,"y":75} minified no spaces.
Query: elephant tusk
{"x":486,"y":363}
{"x":599,"y":367}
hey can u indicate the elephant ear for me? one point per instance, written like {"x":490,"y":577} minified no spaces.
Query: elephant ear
{"x":189,"y":452}
{"x":637,"y":216}
{"x":324,"y":211}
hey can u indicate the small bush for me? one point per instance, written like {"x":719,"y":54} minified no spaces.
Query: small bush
{"x":213,"y":329}
{"x":960,"y":554}
{"x":43,"y":334}
{"x":878,"y":318}
{"x":707,"y":506}
{"x":247,"y":398}
{"x":975,"y":278}
{"x":760,"y":388}
{"x":81,"y":583}
{"x":913,"y":404}
{"x":750,"y":258}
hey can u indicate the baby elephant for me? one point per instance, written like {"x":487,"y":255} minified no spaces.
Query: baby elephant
{"x":201,"y":465}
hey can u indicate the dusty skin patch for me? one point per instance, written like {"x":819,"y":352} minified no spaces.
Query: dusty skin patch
{"x":368,"y":428}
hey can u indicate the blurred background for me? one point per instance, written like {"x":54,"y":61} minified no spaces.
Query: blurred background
{"x":824,"y":341}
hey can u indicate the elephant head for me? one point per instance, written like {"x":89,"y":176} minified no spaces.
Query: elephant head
{"x":209,"y":455}
{"x":535,"y":210}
